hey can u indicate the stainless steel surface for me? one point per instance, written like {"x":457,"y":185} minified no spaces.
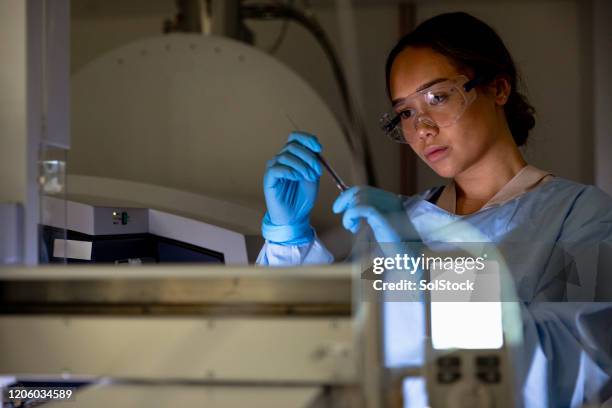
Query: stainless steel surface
{"x":176,"y":290}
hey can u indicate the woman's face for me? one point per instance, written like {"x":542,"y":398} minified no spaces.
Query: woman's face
{"x":447,"y":150}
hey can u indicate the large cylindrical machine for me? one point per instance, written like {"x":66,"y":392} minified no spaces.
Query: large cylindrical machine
{"x":198,"y":114}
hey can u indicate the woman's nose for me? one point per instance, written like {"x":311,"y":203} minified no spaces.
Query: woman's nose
{"x":425,"y":127}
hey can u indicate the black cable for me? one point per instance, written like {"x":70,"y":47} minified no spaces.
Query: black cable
{"x":280,"y":38}
{"x":282,"y":33}
{"x":283,"y":11}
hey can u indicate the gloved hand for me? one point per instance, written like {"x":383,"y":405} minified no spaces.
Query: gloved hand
{"x":291,"y":184}
{"x":382,"y":210}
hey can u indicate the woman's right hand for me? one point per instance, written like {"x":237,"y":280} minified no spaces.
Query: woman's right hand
{"x":291,"y":185}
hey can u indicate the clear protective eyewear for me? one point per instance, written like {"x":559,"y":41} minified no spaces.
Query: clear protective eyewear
{"x":439,"y":105}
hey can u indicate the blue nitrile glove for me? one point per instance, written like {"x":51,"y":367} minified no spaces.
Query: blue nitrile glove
{"x":382,"y":210}
{"x":291,"y":184}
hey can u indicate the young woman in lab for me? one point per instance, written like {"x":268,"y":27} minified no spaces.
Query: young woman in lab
{"x":456,"y":101}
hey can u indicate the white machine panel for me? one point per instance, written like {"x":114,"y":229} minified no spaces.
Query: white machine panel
{"x":241,"y":349}
{"x":94,"y":220}
{"x":143,"y":396}
{"x":231,"y":244}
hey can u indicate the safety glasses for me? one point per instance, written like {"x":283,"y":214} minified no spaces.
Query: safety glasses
{"x":439,"y":105}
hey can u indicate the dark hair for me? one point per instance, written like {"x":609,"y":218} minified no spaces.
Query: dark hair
{"x":472,"y":44}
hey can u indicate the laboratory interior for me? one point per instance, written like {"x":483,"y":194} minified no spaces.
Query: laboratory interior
{"x":204,"y":203}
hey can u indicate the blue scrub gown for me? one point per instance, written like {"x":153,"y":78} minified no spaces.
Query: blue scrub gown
{"x":557,"y":242}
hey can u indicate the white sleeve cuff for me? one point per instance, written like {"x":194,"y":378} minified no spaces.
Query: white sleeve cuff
{"x":288,"y":255}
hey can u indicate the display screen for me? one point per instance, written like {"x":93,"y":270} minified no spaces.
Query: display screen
{"x":129,"y":248}
{"x":173,"y":252}
{"x":470,"y":319}
{"x":466,"y":325}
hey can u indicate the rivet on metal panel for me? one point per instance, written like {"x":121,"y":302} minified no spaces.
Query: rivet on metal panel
{"x":320,"y":353}
{"x":333,"y":350}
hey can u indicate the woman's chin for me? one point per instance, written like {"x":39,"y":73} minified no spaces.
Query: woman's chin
{"x":445,"y":170}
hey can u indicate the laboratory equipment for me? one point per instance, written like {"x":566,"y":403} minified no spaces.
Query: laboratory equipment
{"x":191,"y":135}
{"x":468,"y":361}
{"x":230,"y":336}
{"x":128,"y":235}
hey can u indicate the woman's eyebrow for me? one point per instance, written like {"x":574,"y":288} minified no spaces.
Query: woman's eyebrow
{"x":420,"y":88}
{"x":430,"y":83}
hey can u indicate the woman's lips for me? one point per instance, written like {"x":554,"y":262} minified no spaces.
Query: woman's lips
{"x":436,"y":153}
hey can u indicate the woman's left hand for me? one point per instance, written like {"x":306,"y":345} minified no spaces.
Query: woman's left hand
{"x":382,"y":210}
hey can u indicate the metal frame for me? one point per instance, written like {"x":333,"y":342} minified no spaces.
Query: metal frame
{"x":176,"y":290}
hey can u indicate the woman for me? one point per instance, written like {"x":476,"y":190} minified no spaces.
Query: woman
{"x":454,"y":91}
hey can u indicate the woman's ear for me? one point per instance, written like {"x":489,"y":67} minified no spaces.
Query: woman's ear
{"x":501,"y":88}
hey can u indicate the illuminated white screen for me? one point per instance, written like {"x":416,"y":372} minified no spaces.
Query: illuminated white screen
{"x":466,"y":325}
